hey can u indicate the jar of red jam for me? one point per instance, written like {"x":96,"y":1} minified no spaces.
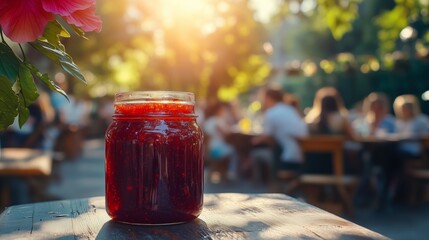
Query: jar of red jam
{"x":154,"y":159}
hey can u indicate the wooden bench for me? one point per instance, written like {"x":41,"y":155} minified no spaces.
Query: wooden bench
{"x":312,"y":183}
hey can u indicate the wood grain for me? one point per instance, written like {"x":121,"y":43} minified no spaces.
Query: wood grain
{"x":25,"y":162}
{"x":225,"y":216}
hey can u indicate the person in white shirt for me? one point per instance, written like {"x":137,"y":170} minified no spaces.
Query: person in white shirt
{"x":410,"y":123}
{"x":281,"y":126}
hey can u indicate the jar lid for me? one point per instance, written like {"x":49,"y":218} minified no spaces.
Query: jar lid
{"x":165,"y":103}
{"x":155,"y":96}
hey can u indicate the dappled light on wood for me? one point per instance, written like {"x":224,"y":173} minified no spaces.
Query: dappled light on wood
{"x":225,"y":216}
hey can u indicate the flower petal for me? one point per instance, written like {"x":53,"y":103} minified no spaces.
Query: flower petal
{"x":66,"y":7}
{"x":85,"y":19}
{"x":23,"y":20}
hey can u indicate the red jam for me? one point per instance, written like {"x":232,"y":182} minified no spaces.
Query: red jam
{"x":154,"y":162}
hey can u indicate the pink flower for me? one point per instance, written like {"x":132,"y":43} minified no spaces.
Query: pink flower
{"x":66,"y":7}
{"x":80,"y":13}
{"x":25,"y":20}
{"x":85,"y":19}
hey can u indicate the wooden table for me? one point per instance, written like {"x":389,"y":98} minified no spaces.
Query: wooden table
{"x":225,"y":216}
{"x":21,"y":163}
{"x":381,"y":153}
{"x":24,"y":162}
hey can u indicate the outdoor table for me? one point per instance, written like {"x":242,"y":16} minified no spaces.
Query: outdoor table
{"x":242,"y":144}
{"x":24,"y":162}
{"x":382,"y":153}
{"x":225,"y":216}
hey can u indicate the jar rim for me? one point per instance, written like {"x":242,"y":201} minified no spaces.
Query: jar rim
{"x":163,"y":116}
{"x":155,"y":96}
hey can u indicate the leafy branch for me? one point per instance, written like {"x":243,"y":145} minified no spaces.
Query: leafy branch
{"x":17,"y":76}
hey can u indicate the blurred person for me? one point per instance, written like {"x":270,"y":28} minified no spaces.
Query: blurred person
{"x":217,"y":128}
{"x":58,"y":102}
{"x":356,"y":112}
{"x":234,"y":112}
{"x":106,"y":110}
{"x":381,"y":166}
{"x":200,"y":108}
{"x":30,"y":135}
{"x":77,"y":112}
{"x":46,"y":107}
{"x":410,"y":123}
{"x":328,"y":115}
{"x":65,"y":135}
{"x":293,"y":100}
{"x":377,"y":121}
{"x":74,"y":119}
{"x":281,"y":126}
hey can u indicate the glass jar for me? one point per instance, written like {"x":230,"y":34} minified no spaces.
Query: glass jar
{"x":154,"y":159}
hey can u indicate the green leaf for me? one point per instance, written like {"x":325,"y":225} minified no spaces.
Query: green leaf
{"x":9,"y":63}
{"x":46,"y":80}
{"x":60,"y":57}
{"x":338,"y":18}
{"x":79,"y":31}
{"x":70,"y":27}
{"x":53,"y":32}
{"x":8,"y":103}
{"x":28,"y":87}
{"x":23,"y":111}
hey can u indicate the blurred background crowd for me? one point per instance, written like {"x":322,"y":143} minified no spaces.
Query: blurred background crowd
{"x":272,"y":135}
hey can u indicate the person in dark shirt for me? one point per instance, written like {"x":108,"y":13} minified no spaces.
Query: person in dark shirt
{"x":30,"y":135}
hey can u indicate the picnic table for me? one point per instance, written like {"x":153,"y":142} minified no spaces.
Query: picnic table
{"x":22,"y":164}
{"x":225,"y":216}
{"x":25,"y":162}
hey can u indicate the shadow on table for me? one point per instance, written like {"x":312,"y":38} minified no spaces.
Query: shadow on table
{"x":196,"y":229}
{"x":353,"y":237}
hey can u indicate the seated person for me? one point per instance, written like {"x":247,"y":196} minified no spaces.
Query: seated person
{"x":380,"y":167}
{"x":327,"y":117}
{"x":410,"y":123}
{"x":216,"y":127}
{"x":282,"y":125}
{"x":376,"y":120}
{"x":30,"y":135}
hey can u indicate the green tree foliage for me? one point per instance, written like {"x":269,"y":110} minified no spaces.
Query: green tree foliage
{"x":199,"y":46}
{"x":403,"y":14}
{"x":338,"y":15}
{"x":214,"y":47}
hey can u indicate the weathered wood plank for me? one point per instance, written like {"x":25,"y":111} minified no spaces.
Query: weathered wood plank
{"x":225,"y":216}
{"x":88,"y":217}
{"x":17,"y":222}
{"x":52,"y":220}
